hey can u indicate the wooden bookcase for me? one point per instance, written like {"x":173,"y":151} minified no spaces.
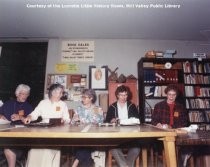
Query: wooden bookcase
{"x":190,"y":75}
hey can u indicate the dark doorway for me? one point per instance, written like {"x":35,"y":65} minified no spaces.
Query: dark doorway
{"x":23,"y":63}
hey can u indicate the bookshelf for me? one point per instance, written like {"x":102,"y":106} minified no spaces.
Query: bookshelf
{"x":190,"y":75}
{"x":197,"y":90}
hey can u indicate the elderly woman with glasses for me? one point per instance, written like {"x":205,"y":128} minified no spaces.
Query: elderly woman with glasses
{"x":52,"y":107}
{"x":170,"y":113}
{"x":86,"y":113}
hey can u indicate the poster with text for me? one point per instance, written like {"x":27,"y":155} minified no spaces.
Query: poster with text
{"x":77,"y":51}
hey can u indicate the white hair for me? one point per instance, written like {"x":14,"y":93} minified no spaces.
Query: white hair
{"x":22,"y":87}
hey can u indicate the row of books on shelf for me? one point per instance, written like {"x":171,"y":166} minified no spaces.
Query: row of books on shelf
{"x":196,"y":79}
{"x":197,"y":91}
{"x":197,"y":103}
{"x":160,"y":76}
{"x":198,"y":116}
{"x":155,"y":91}
{"x":159,"y":91}
{"x":196,"y":67}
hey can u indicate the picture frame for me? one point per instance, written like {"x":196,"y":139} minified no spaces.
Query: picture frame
{"x":98,"y":77}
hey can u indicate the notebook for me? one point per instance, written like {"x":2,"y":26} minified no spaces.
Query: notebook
{"x":55,"y":121}
{"x":39,"y":124}
{"x":52,"y":122}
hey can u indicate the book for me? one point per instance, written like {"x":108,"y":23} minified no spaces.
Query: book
{"x":149,"y":91}
{"x":207,"y":114}
{"x":163,"y":91}
{"x":148,"y":64}
{"x":197,"y":91}
{"x":187,"y":67}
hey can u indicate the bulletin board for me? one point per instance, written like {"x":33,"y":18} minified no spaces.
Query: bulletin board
{"x":73,"y":84}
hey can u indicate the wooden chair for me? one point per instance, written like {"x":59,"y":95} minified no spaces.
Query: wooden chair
{"x":71,"y":113}
{"x":159,"y":157}
{"x":137,"y":162}
{"x":110,"y":160}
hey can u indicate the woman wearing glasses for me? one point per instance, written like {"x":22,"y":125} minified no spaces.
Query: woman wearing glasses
{"x":86,"y":113}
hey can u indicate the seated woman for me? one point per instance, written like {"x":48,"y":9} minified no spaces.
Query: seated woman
{"x":120,"y":110}
{"x":170,"y":113}
{"x":86,"y":113}
{"x":53,"y":107}
{"x":16,"y":110}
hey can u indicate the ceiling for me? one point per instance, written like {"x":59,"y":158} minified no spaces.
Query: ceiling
{"x":25,"y":19}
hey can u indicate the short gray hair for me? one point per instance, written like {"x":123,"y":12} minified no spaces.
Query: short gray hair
{"x":90,"y":93}
{"x":22,"y":87}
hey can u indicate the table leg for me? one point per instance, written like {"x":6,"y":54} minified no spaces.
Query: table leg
{"x":144,"y":157}
{"x":170,"y":152}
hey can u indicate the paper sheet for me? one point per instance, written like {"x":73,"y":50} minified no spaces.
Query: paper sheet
{"x":3,"y":121}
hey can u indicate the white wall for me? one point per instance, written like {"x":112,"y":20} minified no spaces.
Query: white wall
{"x":124,"y":53}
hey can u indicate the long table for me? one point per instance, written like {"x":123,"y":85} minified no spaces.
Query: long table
{"x":196,"y":142}
{"x":194,"y":138}
{"x":87,"y":135}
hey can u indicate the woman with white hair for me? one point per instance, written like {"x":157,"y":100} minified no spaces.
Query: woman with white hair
{"x":16,"y":110}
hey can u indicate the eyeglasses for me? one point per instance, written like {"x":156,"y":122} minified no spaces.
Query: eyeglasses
{"x":122,"y":94}
{"x":24,"y":94}
{"x":171,"y":94}
{"x":85,"y":97}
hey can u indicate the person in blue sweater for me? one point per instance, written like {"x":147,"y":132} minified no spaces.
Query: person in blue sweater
{"x":15,"y":110}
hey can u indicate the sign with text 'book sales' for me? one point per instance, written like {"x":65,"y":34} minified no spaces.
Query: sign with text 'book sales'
{"x":77,"y":51}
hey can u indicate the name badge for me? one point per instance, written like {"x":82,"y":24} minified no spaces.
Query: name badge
{"x":176,"y":114}
{"x":58,"y":108}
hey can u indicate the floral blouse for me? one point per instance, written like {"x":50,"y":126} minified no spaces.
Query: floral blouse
{"x":92,"y":115}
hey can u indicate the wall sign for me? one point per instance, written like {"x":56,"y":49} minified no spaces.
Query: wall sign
{"x":77,"y":51}
{"x":66,"y":68}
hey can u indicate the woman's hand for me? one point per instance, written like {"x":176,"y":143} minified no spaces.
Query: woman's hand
{"x":62,"y":121}
{"x":163,"y":126}
{"x":15,"y":117}
{"x":27,"y":120}
{"x":115,"y":120}
{"x":3,"y":117}
{"x":75,"y":119}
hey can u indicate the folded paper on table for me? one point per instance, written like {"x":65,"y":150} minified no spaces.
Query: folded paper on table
{"x":130,"y":121}
{"x":191,"y":128}
{"x":3,"y":121}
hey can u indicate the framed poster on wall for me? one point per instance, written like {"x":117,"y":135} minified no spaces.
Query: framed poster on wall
{"x":98,"y":77}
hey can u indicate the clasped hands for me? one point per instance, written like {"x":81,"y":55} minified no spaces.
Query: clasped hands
{"x":14,"y":117}
{"x":163,"y":126}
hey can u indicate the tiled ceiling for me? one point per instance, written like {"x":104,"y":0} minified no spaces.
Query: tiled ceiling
{"x":106,"y":19}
